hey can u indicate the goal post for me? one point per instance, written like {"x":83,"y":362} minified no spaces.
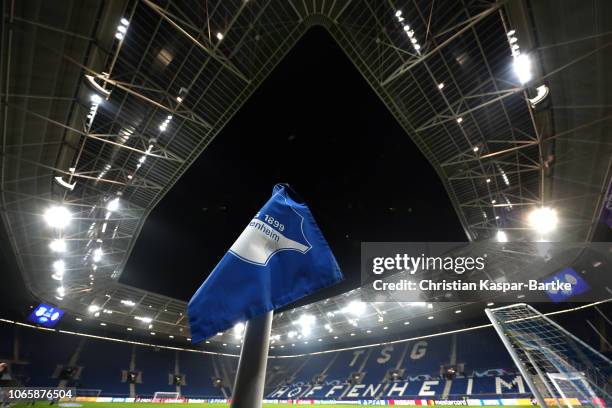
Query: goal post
{"x":558,"y":367}
{"x":162,"y":396}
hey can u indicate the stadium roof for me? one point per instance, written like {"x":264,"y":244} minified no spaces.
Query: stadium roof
{"x":119,"y":98}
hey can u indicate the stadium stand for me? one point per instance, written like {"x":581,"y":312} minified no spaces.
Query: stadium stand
{"x":472,"y":364}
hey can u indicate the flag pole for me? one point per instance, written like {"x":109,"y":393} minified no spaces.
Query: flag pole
{"x":250,"y":378}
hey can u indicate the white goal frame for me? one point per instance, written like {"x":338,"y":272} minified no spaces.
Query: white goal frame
{"x":167,"y":395}
{"x":546,"y":354}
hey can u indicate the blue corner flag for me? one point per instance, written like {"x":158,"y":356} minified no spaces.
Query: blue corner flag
{"x":280,"y":257}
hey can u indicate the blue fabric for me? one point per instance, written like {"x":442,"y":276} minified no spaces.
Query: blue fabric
{"x":280,"y":257}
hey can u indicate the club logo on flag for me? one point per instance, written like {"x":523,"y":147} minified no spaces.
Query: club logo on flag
{"x":267,"y":235}
{"x":280,"y":257}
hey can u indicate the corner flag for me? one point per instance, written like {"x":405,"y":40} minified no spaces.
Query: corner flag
{"x":280,"y":257}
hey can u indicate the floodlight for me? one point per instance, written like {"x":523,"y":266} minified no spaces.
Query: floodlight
{"x":128,"y":303}
{"x":501,"y":236}
{"x":355,"y":308}
{"x":542,"y":93}
{"x":64,"y":184}
{"x":97,"y":254}
{"x":59,"y":266}
{"x":58,"y":245}
{"x":522,"y":68}
{"x":125,"y":22}
{"x":57,"y":216}
{"x":93,"y":308}
{"x":398,"y":13}
{"x":95,"y":98}
{"x":219,"y":36}
{"x":306,"y":322}
{"x":113,"y":205}
{"x":543,"y":219}
{"x":238,"y":330}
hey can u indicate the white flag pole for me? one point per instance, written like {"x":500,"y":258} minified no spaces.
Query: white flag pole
{"x":250,"y":378}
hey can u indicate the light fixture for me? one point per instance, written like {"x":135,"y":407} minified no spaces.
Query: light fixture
{"x":129,"y":329}
{"x":58,"y":266}
{"x":97,"y":255}
{"x":93,"y":308}
{"x":488,"y":180}
{"x":113,"y":205}
{"x":522,"y":68}
{"x":459,"y":120}
{"x":143,"y":319}
{"x":58,"y":216}
{"x":441,"y":85}
{"x":59,"y":180}
{"x":102,"y":324}
{"x":543,"y":219}
{"x":430,"y":318}
{"x":78,"y":319}
{"x":122,"y":28}
{"x":61,"y":291}
{"x":128,"y":303}
{"x":398,"y":13}
{"x":355,"y":308}
{"x":219,"y":36}
{"x":306,"y":322}
{"x":58,"y":245}
{"x":457,"y":311}
{"x":238,"y":330}
{"x":490,"y":304}
{"x":95,"y":98}
{"x":475,"y":149}
{"x":542,"y":93}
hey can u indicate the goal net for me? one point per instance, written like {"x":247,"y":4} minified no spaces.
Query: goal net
{"x":560,"y":369}
{"x":162,"y":396}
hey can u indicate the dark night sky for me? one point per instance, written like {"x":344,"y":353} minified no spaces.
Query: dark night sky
{"x":316,"y":124}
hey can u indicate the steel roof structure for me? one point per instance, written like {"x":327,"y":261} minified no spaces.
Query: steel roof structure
{"x":167,"y":76}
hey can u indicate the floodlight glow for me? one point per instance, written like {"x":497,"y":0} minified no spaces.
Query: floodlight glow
{"x":58,"y":245}
{"x":398,"y":13}
{"x":93,"y":308}
{"x":61,"y":291}
{"x":58,"y":217}
{"x":543,"y":219}
{"x":113,"y":205}
{"x":355,"y":308}
{"x":219,"y":36}
{"x":143,"y":319}
{"x":306,"y":322}
{"x":238,"y":330}
{"x":128,"y":303}
{"x":59,"y":266}
{"x":522,"y":68}
{"x":97,"y":254}
{"x":125,"y":22}
{"x":501,"y":236}
{"x":95,"y":98}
